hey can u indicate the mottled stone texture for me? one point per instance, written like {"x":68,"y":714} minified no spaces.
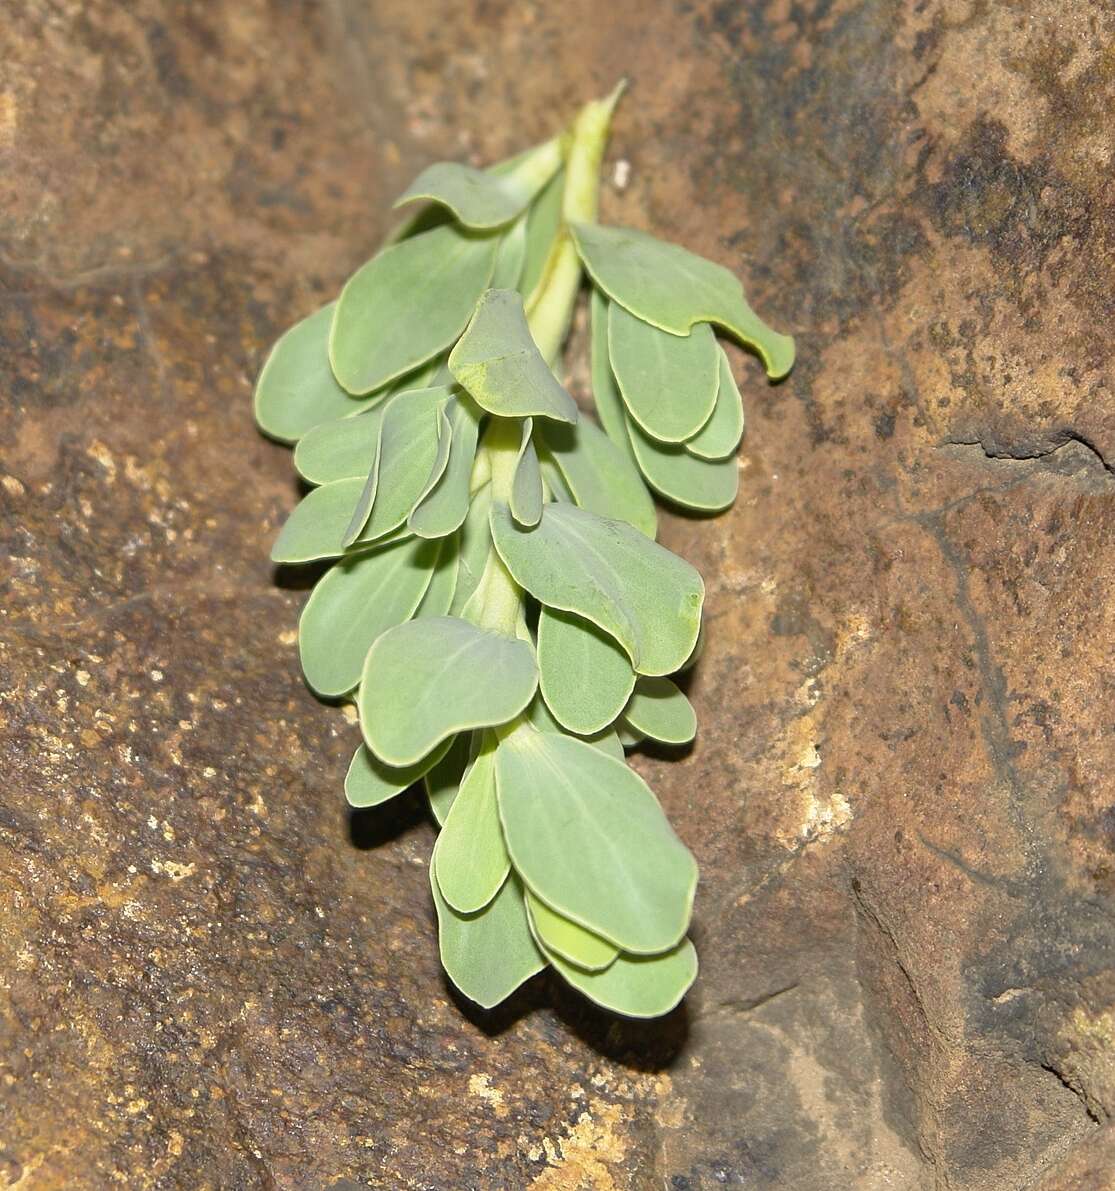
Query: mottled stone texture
{"x":901,"y":798}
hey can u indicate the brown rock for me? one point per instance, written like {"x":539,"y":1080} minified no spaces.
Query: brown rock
{"x":900,"y":799}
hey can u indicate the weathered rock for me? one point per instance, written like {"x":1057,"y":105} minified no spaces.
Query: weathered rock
{"x":900,"y":797}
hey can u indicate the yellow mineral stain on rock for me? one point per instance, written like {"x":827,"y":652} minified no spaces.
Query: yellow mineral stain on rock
{"x":590,"y":1154}
{"x":481,"y":1087}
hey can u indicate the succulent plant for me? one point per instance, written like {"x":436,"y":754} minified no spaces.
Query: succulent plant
{"x":498,"y":609}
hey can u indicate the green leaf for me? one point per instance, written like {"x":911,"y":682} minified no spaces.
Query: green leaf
{"x":444,"y":779}
{"x":509,"y":258}
{"x":408,"y":452}
{"x":585,"y":677}
{"x":609,"y":404}
{"x":443,"y":509}
{"x":599,"y":476}
{"x":543,"y":719}
{"x":477,"y":199}
{"x":489,"y":954}
{"x":498,"y":362}
{"x":609,"y":573}
{"x":637,"y":986}
{"x":296,"y":390}
{"x":340,"y":450}
{"x":526,"y":487}
{"x":628,"y":737}
{"x":427,"y":679}
{"x":406,"y":304}
{"x":353,"y":603}
{"x":555,"y":483}
{"x":658,"y":709}
{"x":673,"y":288}
{"x":566,"y":939}
{"x":589,"y":839}
{"x":678,"y":475}
{"x":720,"y":435}
{"x":476,"y":544}
{"x":314,"y":528}
{"x":443,"y":580}
{"x":369,"y":782}
{"x":543,"y":221}
{"x":472,"y":862}
{"x":668,"y":382}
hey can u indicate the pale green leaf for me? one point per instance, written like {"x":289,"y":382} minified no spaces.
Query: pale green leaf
{"x":444,"y":508}
{"x":668,"y":382}
{"x":609,"y":404}
{"x":720,"y":435}
{"x":556,"y":487}
{"x":408,"y":452}
{"x":588,"y":837}
{"x":443,"y":580}
{"x":406,"y":304}
{"x":296,"y":390}
{"x":636,"y":985}
{"x":658,"y":709}
{"x":628,"y":737}
{"x":339,"y":450}
{"x":566,"y":939}
{"x":543,"y":221}
{"x":369,"y":782}
{"x":509,"y":258}
{"x":353,"y":603}
{"x":599,"y":476}
{"x":498,"y":362}
{"x":429,"y":678}
{"x":609,"y":573}
{"x":673,"y":288}
{"x":315,"y":526}
{"x":526,"y":487}
{"x":472,"y":862}
{"x":673,"y":472}
{"x":542,"y":718}
{"x":476,"y":545}
{"x":584,"y":675}
{"x":489,"y":954}
{"x":444,"y":779}
{"x":476,"y":198}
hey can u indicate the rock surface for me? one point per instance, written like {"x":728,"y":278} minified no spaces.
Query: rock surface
{"x":900,"y":800}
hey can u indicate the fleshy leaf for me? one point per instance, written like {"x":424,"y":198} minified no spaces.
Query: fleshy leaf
{"x":609,"y":404}
{"x":444,"y":779}
{"x":408,"y":303}
{"x":472,"y":862}
{"x":509,"y":258}
{"x":606,"y":571}
{"x":428,"y":679}
{"x":673,"y":472}
{"x":543,"y":719}
{"x":599,"y":476}
{"x":353,"y":603}
{"x":628,"y":737}
{"x":566,"y":939}
{"x":658,"y":709}
{"x":296,"y":390}
{"x":526,"y":488}
{"x":589,"y":839}
{"x":498,"y":362}
{"x":543,"y":221}
{"x":408,"y":451}
{"x":443,"y":580}
{"x":489,"y":954}
{"x":444,"y":508}
{"x":668,"y":382}
{"x":476,"y":198}
{"x":673,"y":288}
{"x":315,"y":526}
{"x":340,"y":450}
{"x":585,"y":677}
{"x":369,"y":782}
{"x":720,"y":435}
{"x":636,"y":985}
{"x":476,"y":544}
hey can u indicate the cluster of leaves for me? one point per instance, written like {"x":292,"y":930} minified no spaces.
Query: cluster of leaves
{"x":499,"y":610}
